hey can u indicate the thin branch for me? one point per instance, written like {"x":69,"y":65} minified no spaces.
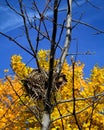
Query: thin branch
{"x":37,"y":40}
{"x":59,"y":113}
{"x":27,"y":32}
{"x":73,"y":94}
{"x":42,"y":33}
{"x":76,"y":112}
{"x":46,"y":30}
{"x":60,"y":35}
{"x":61,"y":10}
{"x":77,"y":22}
{"x":76,"y":3}
{"x":17,"y":43}
{"x":93,"y":5}
{"x":11,"y":7}
{"x":40,"y":21}
{"x":88,"y":25}
{"x":92,"y":113}
{"x":25,"y":25}
{"x":22,"y":100}
{"x":81,"y":53}
{"x":93,"y":108}
{"x":80,"y":99}
{"x":9,"y":108}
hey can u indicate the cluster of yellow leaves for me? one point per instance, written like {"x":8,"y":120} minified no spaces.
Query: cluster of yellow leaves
{"x":20,"y":69}
{"x":14,"y":113}
{"x":43,"y":58}
{"x":65,"y":94}
{"x":94,"y":89}
{"x":9,"y":107}
{"x":89,"y":94}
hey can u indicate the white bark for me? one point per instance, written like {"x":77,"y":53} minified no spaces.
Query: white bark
{"x":45,"y":121}
{"x":67,"y":39}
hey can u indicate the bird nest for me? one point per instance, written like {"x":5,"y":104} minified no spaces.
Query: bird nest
{"x":36,"y":83}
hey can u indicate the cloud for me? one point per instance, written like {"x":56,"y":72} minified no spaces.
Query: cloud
{"x":9,"y":20}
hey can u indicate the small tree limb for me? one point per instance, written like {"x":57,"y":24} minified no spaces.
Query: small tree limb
{"x":67,"y":39}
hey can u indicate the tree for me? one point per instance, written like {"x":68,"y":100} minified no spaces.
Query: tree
{"x":62,"y":107}
{"x":19,"y":111}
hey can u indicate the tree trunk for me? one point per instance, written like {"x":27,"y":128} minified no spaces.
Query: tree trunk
{"x":45,"y":121}
{"x":46,"y":114}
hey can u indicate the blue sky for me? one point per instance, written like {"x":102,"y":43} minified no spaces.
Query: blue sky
{"x":11,"y":24}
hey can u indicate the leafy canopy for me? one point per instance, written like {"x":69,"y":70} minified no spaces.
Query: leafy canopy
{"x":18,"y":111}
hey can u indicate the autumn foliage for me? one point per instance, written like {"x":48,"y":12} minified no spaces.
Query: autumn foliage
{"x":80,"y":102}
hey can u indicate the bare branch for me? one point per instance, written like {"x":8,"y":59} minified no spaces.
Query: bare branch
{"x":17,"y":43}
{"x":93,"y":5}
{"x":88,"y":106}
{"x":73,"y":93}
{"x":27,"y":32}
{"x":22,"y":100}
{"x":77,"y":22}
{"x":80,"y":99}
{"x":88,"y":25}
{"x":11,"y":7}
{"x":60,"y":35}
{"x":68,"y":38}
